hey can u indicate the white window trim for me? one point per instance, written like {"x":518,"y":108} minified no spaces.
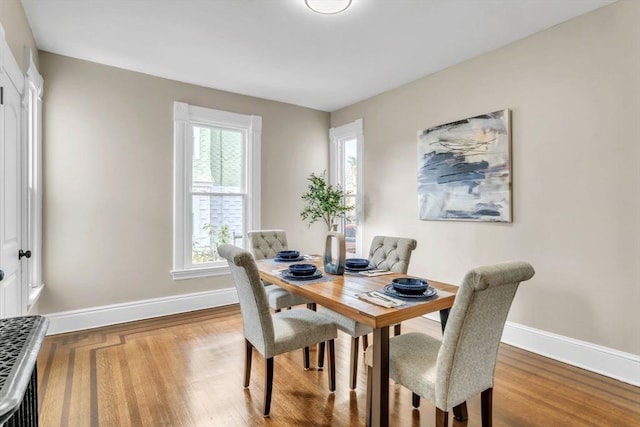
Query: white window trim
{"x":34,"y":88}
{"x":336,"y":136}
{"x":184,"y":116}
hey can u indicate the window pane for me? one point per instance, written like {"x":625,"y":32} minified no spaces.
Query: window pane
{"x":216,"y":220}
{"x":218,"y":160}
{"x":350,"y":185}
{"x":350,"y":166}
{"x":350,"y":228}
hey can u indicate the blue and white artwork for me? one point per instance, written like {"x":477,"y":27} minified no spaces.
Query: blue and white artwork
{"x":464,"y":170}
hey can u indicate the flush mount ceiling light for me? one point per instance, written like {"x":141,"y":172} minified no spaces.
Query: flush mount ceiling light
{"x":328,"y":7}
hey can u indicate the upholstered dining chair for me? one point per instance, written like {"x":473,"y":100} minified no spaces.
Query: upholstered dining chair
{"x":462,"y":364}
{"x":273,"y":334}
{"x":266,"y":244}
{"x":386,"y":253}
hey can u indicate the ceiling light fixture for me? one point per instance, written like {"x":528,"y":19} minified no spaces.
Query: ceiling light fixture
{"x":328,"y":7}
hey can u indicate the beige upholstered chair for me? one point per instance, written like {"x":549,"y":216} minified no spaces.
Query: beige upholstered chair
{"x":391,"y":253}
{"x":386,"y":253}
{"x":462,"y":364}
{"x":266,"y":244}
{"x":278,"y":333}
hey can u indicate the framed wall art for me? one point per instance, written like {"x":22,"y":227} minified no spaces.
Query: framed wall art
{"x":464,"y":169}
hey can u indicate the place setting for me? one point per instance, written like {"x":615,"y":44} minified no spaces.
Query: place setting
{"x":363,"y":267}
{"x":302,"y":273}
{"x":288,"y":256}
{"x":399,"y":292}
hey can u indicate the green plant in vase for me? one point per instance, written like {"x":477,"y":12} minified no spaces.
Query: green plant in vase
{"x":324,"y":202}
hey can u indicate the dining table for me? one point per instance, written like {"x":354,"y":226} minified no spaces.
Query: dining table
{"x":345,"y":293}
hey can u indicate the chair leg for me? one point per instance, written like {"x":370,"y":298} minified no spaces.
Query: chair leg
{"x":442,"y":418}
{"x":321,"y":355}
{"x":397,"y":329}
{"x":248,"y":351}
{"x":415,"y":400}
{"x":353,"y":369}
{"x":486,"y":398}
{"x":460,"y":412}
{"x":306,"y":358}
{"x":332,"y":365}
{"x":368,"y":405}
{"x":365,"y":342}
{"x":268,"y":386}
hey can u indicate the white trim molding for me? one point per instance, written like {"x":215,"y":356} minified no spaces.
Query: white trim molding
{"x":595,"y":358}
{"x":186,"y":117}
{"x":337,"y":137}
{"x":76,"y":320}
{"x":605,"y":361}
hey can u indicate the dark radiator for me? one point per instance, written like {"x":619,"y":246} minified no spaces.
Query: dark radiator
{"x":20,"y":341}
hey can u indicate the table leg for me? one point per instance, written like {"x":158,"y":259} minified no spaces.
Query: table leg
{"x":380,"y":386}
{"x":460,"y":411}
{"x":444,"y":316}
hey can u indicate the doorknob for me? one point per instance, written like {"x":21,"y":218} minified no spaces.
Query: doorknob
{"x":25,"y":254}
{"x":1,"y":274}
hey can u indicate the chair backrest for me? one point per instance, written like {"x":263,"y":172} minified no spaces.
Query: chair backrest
{"x":391,"y":253}
{"x":467,"y":358}
{"x":256,"y":317}
{"x":267,"y":243}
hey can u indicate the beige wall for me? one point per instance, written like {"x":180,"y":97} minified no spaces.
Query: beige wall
{"x":17,"y":31}
{"x":574,"y":92}
{"x":108,"y":180}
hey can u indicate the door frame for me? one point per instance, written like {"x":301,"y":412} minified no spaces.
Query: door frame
{"x":9,"y":67}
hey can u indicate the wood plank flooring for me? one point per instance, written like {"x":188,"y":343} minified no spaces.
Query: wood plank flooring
{"x":186,"y":370}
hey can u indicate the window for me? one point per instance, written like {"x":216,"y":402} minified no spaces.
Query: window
{"x":346,"y":158}
{"x":33,"y":167}
{"x":216,"y":186}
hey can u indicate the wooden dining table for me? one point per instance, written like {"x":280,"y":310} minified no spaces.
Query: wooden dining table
{"x":340,"y":293}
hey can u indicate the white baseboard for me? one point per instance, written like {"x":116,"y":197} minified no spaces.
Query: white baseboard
{"x":602,"y":360}
{"x":96,"y":317}
{"x":612,"y":363}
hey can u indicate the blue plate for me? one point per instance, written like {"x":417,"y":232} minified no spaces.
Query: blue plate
{"x":302,"y":269}
{"x":278,"y":259}
{"x":388,"y":289}
{"x":409,"y":285}
{"x":288,"y":276}
{"x":356,"y":263}
{"x":368,"y":267}
{"x":288,"y":254}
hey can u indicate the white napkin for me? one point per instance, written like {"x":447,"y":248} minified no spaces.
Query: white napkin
{"x":372,"y":273}
{"x":378,"y":298}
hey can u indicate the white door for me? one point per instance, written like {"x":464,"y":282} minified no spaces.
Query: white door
{"x":11,"y":289}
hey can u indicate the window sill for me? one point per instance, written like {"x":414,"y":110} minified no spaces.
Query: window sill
{"x":196,"y":273}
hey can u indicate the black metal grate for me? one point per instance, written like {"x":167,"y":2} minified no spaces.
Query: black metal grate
{"x":20,"y":340}
{"x":13,"y":337}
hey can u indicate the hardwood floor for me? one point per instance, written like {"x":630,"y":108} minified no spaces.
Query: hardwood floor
{"x":186,"y":370}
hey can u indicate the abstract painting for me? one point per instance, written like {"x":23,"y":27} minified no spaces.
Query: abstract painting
{"x":464,"y":169}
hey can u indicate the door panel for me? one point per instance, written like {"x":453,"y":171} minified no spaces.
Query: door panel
{"x":10,"y":203}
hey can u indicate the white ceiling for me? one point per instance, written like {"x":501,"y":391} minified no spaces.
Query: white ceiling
{"x":280,"y":50}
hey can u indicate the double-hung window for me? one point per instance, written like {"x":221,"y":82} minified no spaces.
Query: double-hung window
{"x":33,"y":167}
{"x":346,"y":158}
{"x":216,"y":186}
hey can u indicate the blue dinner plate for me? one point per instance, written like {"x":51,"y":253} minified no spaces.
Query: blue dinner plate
{"x":409,"y":285}
{"x":368,"y":267}
{"x":289,"y":276}
{"x":302,"y":269}
{"x":300,"y":258}
{"x":388,"y":289}
{"x":356,"y":263}
{"x":288,"y":254}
